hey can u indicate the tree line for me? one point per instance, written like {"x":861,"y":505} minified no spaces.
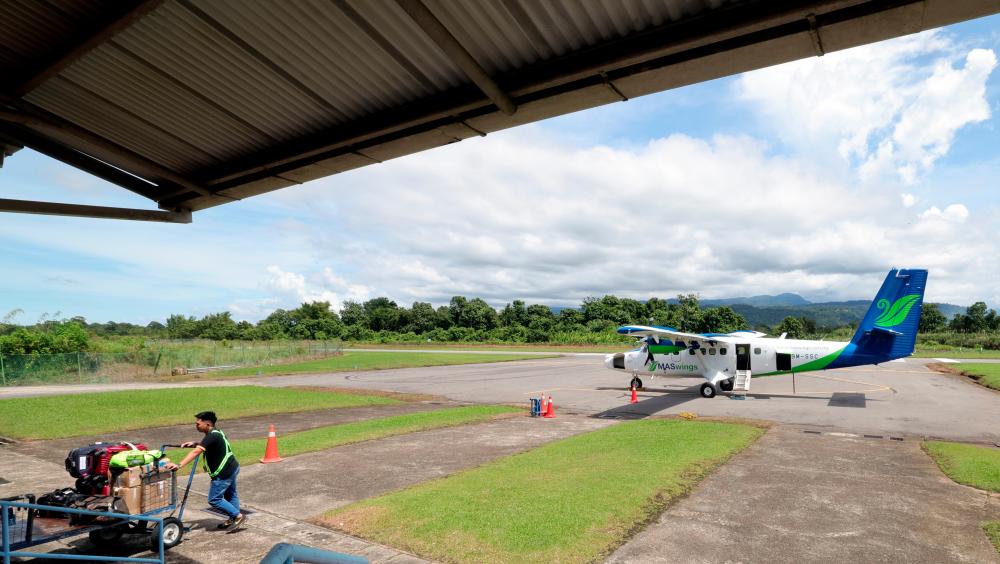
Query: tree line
{"x":462,"y":320}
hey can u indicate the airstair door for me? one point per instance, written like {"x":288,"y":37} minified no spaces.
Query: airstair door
{"x":742,"y":357}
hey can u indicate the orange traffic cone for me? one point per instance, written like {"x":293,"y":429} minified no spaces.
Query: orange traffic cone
{"x":551,"y":413}
{"x":635,"y":398}
{"x":271,"y":452}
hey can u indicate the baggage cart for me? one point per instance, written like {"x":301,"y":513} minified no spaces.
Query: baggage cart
{"x":25,"y":524}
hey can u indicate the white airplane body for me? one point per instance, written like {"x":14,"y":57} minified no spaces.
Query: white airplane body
{"x":887,"y":332}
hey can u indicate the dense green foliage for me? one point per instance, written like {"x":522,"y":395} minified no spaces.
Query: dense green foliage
{"x":381,"y":320}
{"x":573,"y":500}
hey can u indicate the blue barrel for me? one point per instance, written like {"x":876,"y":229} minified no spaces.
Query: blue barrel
{"x":536,"y":407}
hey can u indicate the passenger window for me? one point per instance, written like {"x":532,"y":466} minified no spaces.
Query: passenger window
{"x":756,"y":350}
{"x":711,"y":352}
{"x":722,"y":351}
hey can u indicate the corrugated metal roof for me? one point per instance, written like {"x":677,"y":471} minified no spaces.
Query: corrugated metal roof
{"x":221,"y":99}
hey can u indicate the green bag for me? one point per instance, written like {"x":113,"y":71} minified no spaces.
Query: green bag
{"x":128,"y":458}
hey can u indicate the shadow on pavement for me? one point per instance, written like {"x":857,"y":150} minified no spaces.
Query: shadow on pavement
{"x":650,"y":406}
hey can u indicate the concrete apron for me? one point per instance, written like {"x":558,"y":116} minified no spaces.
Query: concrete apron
{"x":801,"y":497}
{"x":283,"y":495}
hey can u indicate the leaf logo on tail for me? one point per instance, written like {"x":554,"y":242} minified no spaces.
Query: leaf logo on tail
{"x":895,"y":314}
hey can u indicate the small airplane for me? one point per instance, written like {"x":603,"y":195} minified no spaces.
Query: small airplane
{"x":887,"y":332}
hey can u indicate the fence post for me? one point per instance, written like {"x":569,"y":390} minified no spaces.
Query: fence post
{"x":3,"y":372}
{"x":79,"y":366}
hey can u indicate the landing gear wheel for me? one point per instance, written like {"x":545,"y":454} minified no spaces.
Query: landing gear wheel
{"x":707,"y":390}
{"x":172,"y":532}
{"x":107,"y":536}
{"x":726,"y":385}
{"x":635,"y":383}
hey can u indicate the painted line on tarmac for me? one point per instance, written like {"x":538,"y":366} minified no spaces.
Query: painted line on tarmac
{"x":875,"y":388}
{"x":947,"y":360}
{"x":563,"y":390}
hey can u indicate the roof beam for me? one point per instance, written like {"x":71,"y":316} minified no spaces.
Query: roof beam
{"x":122,"y":15}
{"x":35,"y":118}
{"x":384,"y":44}
{"x":14,"y":134}
{"x":98,"y":212}
{"x":443,"y":38}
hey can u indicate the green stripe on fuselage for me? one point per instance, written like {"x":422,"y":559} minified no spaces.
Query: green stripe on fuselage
{"x":665,"y":349}
{"x":818,"y":364}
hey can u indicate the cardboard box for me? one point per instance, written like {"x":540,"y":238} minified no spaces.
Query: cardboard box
{"x":134,"y":476}
{"x":156,"y":494}
{"x":129,"y":499}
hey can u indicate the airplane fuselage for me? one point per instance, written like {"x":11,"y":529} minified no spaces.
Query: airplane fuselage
{"x":717,"y":360}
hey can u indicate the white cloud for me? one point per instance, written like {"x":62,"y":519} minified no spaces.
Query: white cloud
{"x":518,"y":215}
{"x":909,"y":200}
{"x":890,"y":109}
{"x":956,"y":213}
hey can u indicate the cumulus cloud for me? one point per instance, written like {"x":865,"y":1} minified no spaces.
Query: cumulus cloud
{"x":890,"y":109}
{"x":909,"y":200}
{"x":519,"y":215}
{"x":956,"y":213}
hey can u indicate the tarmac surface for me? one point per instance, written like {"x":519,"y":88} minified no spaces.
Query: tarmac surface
{"x":840,"y":478}
{"x":901,"y":397}
{"x":797,"y":496}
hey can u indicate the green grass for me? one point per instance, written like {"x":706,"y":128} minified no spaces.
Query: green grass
{"x":574,"y":500}
{"x":353,"y":360}
{"x":971,"y":465}
{"x":986,"y":374}
{"x":92,"y":414}
{"x":249,"y":451}
{"x":525,"y":347}
{"x":992,"y":529}
{"x":955,"y":353}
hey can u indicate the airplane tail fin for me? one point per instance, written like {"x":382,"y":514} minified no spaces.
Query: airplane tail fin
{"x":889,"y":329}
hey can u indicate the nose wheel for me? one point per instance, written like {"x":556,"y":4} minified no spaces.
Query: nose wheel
{"x":635,"y":383}
{"x":707,"y":390}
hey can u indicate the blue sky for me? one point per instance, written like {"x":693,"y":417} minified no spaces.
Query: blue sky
{"x":813,"y":177}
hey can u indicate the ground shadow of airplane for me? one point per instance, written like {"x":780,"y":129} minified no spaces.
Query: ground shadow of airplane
{"x":673,"y":397}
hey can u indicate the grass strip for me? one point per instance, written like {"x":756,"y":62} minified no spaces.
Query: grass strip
{"x":574,"y":500}
{"x":971,"y":465}
{"x":249,"y":451}
{"x":992,"y":529}
{"x":355,"y":360}
{"x":955,"y":353}
{"x":72,"y":415}
{"x":986,"y":374}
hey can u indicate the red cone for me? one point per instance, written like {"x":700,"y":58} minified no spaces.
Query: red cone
{"x":635,"y":398}
{"x":551,"y":413}
{"x":271,"y":452}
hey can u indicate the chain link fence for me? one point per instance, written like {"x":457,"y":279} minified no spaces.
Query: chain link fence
{"x":156,"y":360}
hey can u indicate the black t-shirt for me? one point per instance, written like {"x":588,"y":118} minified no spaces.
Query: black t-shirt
{"x":215,"y":451}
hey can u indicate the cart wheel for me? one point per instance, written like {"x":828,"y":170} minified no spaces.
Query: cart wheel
{"x":172,"y":532}
{"x":107,"y":535}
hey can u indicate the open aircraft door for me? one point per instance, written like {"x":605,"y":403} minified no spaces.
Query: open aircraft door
{"x":742,"y":357}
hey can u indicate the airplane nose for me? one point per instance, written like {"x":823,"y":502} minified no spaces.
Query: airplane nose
{"x":615,"y":361}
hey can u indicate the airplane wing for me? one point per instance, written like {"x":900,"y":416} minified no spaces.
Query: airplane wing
{"x":673,"y":334}
{"x":659,"y":332}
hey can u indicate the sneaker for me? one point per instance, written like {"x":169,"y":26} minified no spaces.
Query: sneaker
{"x":226,"y":524}
{"x":239,"y":521}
